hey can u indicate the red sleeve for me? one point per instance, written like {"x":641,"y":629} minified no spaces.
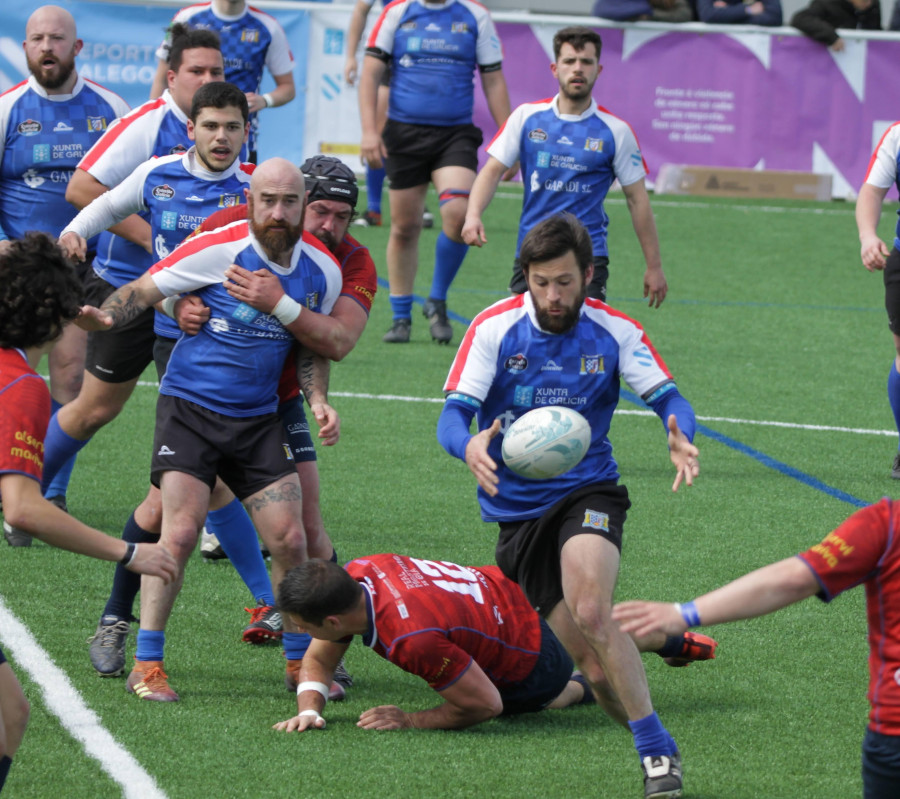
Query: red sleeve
{"x":24,"y":416}
{"x":360,"y":280}
{"x":432,"y":656}
{"x":850,"y":554}
{"x":222,"y":217}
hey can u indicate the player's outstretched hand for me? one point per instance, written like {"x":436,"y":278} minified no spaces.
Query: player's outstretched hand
{"x":329,"y":422}
{"x":480,"y":463}
{"x":655,"y":287}
{"x":93,"y":319}
{"x":155,"y":560}
{"x":384,"y":717}
{"x":73,"y":245}
{"x":473,"y":232}
{"x":259,"y":289}
{"x":874,"y":253}
{"x":684,"y":455}
{"x":300,"y":723}
{"x":639,"y":618}
{"x":191,"y":314}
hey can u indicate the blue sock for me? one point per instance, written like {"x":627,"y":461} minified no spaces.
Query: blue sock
{"x":237,"y":535}
{"x":333,"y":557}
{"x":893,"y":390}
{"x":651,"y":739}
{"x":126,"y":584}
{"x":59,"y":485}
{"x":374,"y":184}
{"x":59,"y":446}
{"x":401,"y":305}
{"x":150,"y":644}
{"x":295,"y":645}
{"x":448,"y":258}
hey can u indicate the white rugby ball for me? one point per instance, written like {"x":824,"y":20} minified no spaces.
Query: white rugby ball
{"x":546,"y":442}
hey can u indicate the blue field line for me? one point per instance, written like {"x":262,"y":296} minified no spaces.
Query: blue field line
{"x":765,"y":460}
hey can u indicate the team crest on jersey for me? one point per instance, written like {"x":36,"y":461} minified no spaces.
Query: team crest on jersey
{"x":596,"y":520}
{"x":40,"y":153}
{"x":250,"y":35}
{"x":523,"y":396}
{"x":312,"y":299}
{"x":32,"y":178}
{"x":30,"y":127}
{"x":459,"y":27}
{"x":543,"y":158}
{"x":164,"y":192}
{"x":244,"y":313}
{"x":229,"y":200}
{"x":516,"y":363}
{"x":169,"y":220}
{"x":591,"y":365}
{"x":96,"y":124}
{"x":537,"y":135}
{"x":594,"y":145}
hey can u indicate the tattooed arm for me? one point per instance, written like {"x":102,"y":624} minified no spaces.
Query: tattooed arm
{"x":313,"y":372}
{"x":123,"y":305}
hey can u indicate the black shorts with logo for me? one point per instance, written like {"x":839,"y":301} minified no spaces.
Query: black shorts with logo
{"x":248,"y":453}
{"x":892,"y":290}
{"x":528,"y":552}
{"x":296,"y":426}
{"x":415,"y":151}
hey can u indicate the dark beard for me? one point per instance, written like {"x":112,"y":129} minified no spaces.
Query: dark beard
{"x":40,"y":75}
{"x":275,"y":242}
{"x":558,"y":324}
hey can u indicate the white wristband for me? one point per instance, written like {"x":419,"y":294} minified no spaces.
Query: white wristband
{"x":315,"y":713}
{"x":269,"y":101}
{"x":168,"y":305}
{"x":286,"y":310}
{"x":311,"y":685}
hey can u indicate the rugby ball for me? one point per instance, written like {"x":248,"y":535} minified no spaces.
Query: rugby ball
{"x":546,"y":442}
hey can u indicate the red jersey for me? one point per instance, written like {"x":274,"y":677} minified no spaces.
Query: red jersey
{"x":433,"y":619}
{"x":24,"y":415}
{"x":359,"y":281}
{"x":866,"y":549}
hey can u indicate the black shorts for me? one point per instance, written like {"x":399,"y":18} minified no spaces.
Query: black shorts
{"x":415,"y":151}
{"x":162,"y":351}
{"x":296,"y":426}
{"x":550,"y":675}
{"x":248,"y":453}
{"x":880,"y":765}
{"x":120,"y":355}
{"x":528,"y":552}
{"x":2,"y":658}
{"x":596,"y":288}
{"x":892,"y":290}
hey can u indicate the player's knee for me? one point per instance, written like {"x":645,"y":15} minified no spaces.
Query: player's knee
{"x":405,"y":231}
{"x":289,"y":545}
{"x":180,"y":538}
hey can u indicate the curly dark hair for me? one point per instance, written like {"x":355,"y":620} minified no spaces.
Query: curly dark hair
{"x":183,"y":37}
{"x":39,"y":291}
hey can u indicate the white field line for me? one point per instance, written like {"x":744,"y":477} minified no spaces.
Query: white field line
{"x":64,"y":702}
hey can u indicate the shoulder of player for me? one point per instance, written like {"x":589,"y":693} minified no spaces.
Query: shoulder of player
{"x":214,"y":245}
{"x":189,"y":12}
{"x":314,"y":249}
{"x":14,"y":93}
{"x":263,"y":18}
{"x":502,"y":312}
{"x":613,"y":320}
{"x":115,"y":101}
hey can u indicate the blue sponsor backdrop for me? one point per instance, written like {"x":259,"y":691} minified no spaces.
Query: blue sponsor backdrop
{"x":120,"y":42}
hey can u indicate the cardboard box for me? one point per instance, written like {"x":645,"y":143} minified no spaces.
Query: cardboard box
{"x":708,"y":181}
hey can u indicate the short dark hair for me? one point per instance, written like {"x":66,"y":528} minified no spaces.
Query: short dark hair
{"x":316,"y":589}
{"x":39,"y":291}
{"x":552,"y":238}
{"x":182,"y":37}
{"x":219,"y":94}
{"x":578,"y":36}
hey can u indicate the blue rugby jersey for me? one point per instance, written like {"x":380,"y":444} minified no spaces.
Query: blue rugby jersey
{"x":568,"y":163}
{"x":42,"y":139}
{"x":434,"y":51}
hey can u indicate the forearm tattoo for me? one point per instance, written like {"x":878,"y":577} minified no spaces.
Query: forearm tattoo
{"x":313,"y":372}
{"x":123,"y":305}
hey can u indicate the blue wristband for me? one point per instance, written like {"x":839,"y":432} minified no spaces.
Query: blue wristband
{"x":689,"y":613}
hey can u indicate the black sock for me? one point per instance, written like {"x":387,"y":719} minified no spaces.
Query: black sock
{"x":672,"y":647}
{"x":126,"y":584}
{"x":5,"y":763}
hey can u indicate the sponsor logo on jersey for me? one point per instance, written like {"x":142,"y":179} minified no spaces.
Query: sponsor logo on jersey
{"x":537,"y":135}
{"x":32,"y":178}
{"x":596,"y":520}
{"x":169,"y":220}
{"x":414,"y":43}
{"x":551,"y":366}
{"x":405,"y":60}
{"x":636,"y":158}
{"x":63,"y":127}
{"x":535,"y":181}
{"x":459,"y":27}
{"x":40,"y":153}
{"x":298,"y":427}
{"x":244,"y":313}
{"x":408,"y":26}
{"x":433,"y":27}
{"x":164,"y":192}
{"x":250,"y":35}
{"x":565,"y":140}
{"x":30,"y":127}
{"x":178,"y":148}
{"x":288,"y":455}
{"x":96,"y":124}
{"x":643,"y":356}
{"x":543,"y":158}
{"x":365,"y":292}
{"x":516,"y":363}
{"x":594,"y":145}
{"x":591,"y":365}
{"x":229,"y":200}
{"x":194,"y":198}
{"x":164,"y":450}
{"x":160,"y":247}
{"x":522,"y":396}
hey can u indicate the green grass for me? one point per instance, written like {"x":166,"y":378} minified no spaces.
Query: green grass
{"x":770,"y":317}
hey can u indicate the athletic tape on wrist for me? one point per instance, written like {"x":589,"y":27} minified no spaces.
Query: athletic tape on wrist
{"x":689,"y":613}
{"x":286,"y":310}
{"x":311,"y":685}
{"x":168,"y":306}
{"x":269,"y":101}
{"x":130,"y":554}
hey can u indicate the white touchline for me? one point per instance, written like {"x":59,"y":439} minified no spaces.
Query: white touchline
{"x":82,"y":723}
